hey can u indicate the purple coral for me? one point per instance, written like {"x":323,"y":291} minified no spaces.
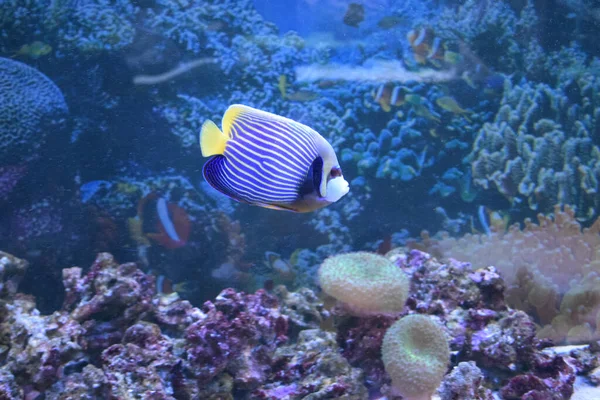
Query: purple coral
{"x":239,"y":334}
{"x":108,"y":299}
{"x":312,"y":368}
{"x":114,"y":339}
{"x":360,"y":340}
{"x":550,"y":378}
{"x":466,"y":381}
{"x":146,"y":354}
{"x":507,"y":344}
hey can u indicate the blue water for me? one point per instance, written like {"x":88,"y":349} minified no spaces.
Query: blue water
{"x":102,"y":104}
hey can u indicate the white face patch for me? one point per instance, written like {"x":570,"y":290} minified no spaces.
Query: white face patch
{"x":336,"y":189}
{"x":165,"y":219}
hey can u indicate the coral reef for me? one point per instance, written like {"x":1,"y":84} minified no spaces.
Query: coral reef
{"x":303,"y":309}
{"x":470,"y":305}
{"x":540,"y":147}
{"x":492,"y":98}
{"x":85,"y":26}
{"x":465,"y":382}
{"x":551,"y":269}
{"x":252,"y":328}
{"x":12,"y":270}
{"x":43,"y":218}
{"x":480,"y":24}
{"x":115,"y":338}
{"x":9,"y":178}
{"x":312,"y":368}
{"x":33,"y":107}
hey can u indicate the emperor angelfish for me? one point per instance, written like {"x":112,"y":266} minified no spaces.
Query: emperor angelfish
{"x":270,"y":161}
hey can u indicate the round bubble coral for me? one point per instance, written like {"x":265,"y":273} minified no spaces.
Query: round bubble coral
{"x":366,"y":283}
{"x":415,"y":354}
{"x":32,"y":107}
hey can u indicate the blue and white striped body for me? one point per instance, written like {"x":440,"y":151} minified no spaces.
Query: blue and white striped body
{"x":268,"y":160}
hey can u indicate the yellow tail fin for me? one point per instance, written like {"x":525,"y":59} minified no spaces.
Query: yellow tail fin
{"x":212,"y":140}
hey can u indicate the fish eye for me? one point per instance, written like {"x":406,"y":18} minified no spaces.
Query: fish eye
{"x":335,"y":172}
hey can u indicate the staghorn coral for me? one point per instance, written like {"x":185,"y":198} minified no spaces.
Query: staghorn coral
{"x":552,"y":270}
{"x":93,"y":26}
{"x":540,"y":150}
{"x":328,"y":221}
{"x":210,"y":25}
{"x":32,"y":108}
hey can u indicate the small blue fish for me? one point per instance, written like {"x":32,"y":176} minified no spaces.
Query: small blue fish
{"x":89,"y":189}
{"x":270,"y":161}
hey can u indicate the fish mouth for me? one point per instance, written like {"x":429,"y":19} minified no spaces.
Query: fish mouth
{"x":336,"y":189}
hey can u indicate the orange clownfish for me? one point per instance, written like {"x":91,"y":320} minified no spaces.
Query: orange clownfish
{"x":388,"y":95}
{"x":425,"y":45}
{"x":165,"y":223}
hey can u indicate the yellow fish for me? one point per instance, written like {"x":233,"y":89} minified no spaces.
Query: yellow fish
{"x":423,"y":111}
{"x":282,"y":85}
{"x":34,"y":50}
{"x":300,"y":95}
{"x":450,"y":104}
{"x":414,"y":99}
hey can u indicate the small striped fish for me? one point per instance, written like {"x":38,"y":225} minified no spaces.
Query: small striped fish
{"x":270,"y":161}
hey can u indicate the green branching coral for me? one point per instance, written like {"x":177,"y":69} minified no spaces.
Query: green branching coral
{"x":366,"y":283}
{"x":415,"y":354}
{"x":540,"y":149}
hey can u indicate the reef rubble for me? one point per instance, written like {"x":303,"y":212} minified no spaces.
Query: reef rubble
{"x":115,"y":338}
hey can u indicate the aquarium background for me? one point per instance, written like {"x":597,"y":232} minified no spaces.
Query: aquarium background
{"x":467,"y":130}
